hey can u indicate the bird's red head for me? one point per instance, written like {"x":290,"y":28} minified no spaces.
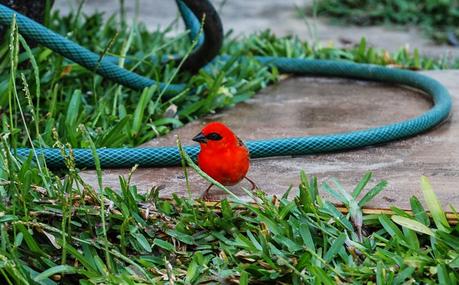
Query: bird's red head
{"x":216,"y":135}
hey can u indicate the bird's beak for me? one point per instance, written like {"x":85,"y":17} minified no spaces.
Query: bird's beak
{"x":200,"y":138}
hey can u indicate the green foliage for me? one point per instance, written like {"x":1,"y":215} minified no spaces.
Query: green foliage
{"x":435,"y":17}
{"x":72,"y":233}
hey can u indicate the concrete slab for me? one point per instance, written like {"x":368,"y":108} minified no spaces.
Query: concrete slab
{"x":304,"y":106}
{"x":282,"y":17}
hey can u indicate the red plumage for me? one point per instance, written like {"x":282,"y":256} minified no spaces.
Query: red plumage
{"x":223,"y":156}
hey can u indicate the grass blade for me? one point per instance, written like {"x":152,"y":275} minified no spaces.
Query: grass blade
{"x":337,"y":246}
{"x":413,"y":225}
{"x":372,"y":193}
{"x":434,"y":206}
{"x":363,"y":182}
{"x":55,"y":270}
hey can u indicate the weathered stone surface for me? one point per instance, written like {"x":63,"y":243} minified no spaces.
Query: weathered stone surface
{"x":304,"y":106}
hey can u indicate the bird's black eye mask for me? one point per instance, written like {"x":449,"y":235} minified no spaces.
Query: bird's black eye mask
{"x":214,"y":137}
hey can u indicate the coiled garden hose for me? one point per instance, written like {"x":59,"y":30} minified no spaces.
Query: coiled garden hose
{"x":194,"y":12}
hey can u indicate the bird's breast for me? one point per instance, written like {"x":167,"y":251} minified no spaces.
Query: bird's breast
{"x":226,"y":166}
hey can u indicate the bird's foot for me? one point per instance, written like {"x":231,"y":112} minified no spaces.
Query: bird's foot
{"x":206,"y":196}
{"x":254,"y":186}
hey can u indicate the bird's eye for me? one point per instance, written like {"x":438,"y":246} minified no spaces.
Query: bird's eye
{"x":214,"y":137}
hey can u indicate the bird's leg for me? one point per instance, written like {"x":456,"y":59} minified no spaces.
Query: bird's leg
{"x":254,"y":186}
{"x":205,"y":195}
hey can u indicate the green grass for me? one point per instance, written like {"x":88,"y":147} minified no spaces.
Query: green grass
{"x":60,"y":230}
{"x":68,"y":232}
{"x":436,"y":18}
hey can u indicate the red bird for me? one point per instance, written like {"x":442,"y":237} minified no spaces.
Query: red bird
{"x":223,"y":155}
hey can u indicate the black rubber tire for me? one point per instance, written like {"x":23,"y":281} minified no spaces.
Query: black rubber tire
{"x":213,"y":35}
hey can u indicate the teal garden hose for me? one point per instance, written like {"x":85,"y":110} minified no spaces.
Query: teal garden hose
{"x":209,"y":44}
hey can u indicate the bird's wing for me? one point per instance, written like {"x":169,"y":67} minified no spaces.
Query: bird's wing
{"x":241,"y":143}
